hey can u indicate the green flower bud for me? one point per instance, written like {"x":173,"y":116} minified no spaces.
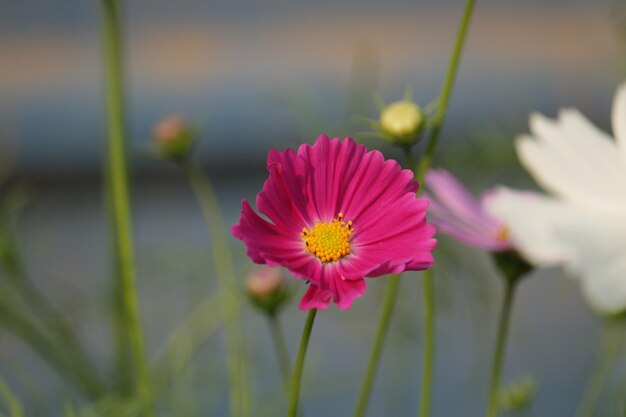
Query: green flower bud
{"x":267,"y":290}
{"x":174,"y":138}
{"x":402,"y":122}
{"x":518,"y":394}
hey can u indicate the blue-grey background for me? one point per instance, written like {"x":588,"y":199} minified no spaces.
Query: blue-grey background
{"x":254,"y":75}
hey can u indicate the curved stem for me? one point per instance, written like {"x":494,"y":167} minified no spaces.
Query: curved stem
{"x":390,"y":297}
{"x":446,"y":91}
{"x":612,"y":340}
{"x":12,"y":403}
{"x":44,"y":311}
{"x":37,"y":339}
{"x":428,"y":335}
{"x":190,"y":334}
{"x":503,"y":329}
{"x":119,"y":194}
{"x":428,"y":287}
{"x":377,"y":347}
{"x":229,"y":301}
{"x":298,"y":367}
{"x":282,"y":353}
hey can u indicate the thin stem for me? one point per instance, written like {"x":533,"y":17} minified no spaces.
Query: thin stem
{"x":10,"y":400}
{"x":298,"y":367}
{"x":282,"y":353}
{"x":428,"y":352}
{"x":120,"y":201}
{"x":498,"y":357}
{"x":446,"y":91}
{"x":428,"y":287}
{"x":377,"y":347}
{"x":52,"y":319}
{"x":390,"y":297}
{"x":229,"y":301}
{"x":612,"y":340}
{"x":408,"y":156}
{"x":36,"y":338}
{"x":190,"y":334}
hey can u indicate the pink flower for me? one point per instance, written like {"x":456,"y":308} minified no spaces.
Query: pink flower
{"x":334,"y":214}
{"x":456,"y":213}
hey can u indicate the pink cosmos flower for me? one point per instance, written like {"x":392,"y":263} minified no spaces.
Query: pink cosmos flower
{"x":335,"y":213}
{"x":457,"y":213}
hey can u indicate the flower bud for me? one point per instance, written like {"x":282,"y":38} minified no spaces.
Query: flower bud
{"x":517,"y":394}
{"x":174,"y":138}
{"x":267,"y":289}
{"x":402,"y":122}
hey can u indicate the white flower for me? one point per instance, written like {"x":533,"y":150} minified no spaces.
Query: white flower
{"x":582,"y":224}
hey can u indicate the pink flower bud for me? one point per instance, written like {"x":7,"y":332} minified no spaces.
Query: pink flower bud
{"x":267,"y":289}
{"x":174,"y":138}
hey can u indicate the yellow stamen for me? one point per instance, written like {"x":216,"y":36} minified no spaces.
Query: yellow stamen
{"x":503,"y":234}
{"x":329,"y":241}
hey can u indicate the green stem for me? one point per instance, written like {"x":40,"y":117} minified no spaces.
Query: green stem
{"x":37,"y":339}
{"x":612,"y":340}
{"x":10,"y":400}
{"x":189,"y":336}
{"x":408,"y":156}
{"x":428,"y":352}
{"x":45,"y":312}
{"x":298,"y":367}
{"x":428,"y":295}
{"x":377,"y":347}
{"x":229,"y":300}
{"x":428,"y":285}
{"x":498,"y":357}
{"x":446,"y":91}
{"x":118,"y":190}
{"x":282,"y":353}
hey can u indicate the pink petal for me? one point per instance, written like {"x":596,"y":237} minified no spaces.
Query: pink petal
{"x":375,"y":184}
{"x":283,"y":198}
{"x":265,"y":242}
{"x":456,"y":213}
{"x":343,"y":294}
{"x":397,"y":239}
{"x":315,"y":297}
{"x":452,"y":195}
{"x":334,"y":164}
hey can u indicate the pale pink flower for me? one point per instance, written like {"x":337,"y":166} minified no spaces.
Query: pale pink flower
{"x":455,"y":212}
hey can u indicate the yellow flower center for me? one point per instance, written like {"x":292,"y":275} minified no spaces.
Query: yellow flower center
{"x":329,"y":241}
{"x":503,"y":234}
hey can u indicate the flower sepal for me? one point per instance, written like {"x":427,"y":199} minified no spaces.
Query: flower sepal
{"x":401,"y":123}
{"x":511,"y":264}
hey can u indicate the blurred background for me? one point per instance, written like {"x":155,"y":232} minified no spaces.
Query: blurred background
{"x":255,"y":75}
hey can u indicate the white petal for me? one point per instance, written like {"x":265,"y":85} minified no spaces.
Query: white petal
{"x":604,"y":286}
{"x":619,"y":119}
{"x":589,"y":243}
{"x":575,"y":160}
{"x":530,"y":219}
{"x":598,"y":247}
